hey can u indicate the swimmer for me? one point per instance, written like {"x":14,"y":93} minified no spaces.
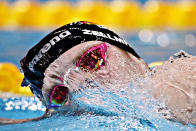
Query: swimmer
{"x":75,"y":54}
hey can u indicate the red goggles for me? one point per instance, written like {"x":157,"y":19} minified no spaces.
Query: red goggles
{"x":59,"y":96}
{"x":92,"y":60}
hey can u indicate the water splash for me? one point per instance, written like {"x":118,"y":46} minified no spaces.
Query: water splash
{"x":128,"y":108}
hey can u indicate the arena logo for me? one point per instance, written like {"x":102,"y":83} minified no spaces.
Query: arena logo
{"x":101,"y":34}
{"x":47,"y":47}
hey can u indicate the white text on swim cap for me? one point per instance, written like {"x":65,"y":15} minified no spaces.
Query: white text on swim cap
{"x":101,"y":34}
{"x":47,"y":47}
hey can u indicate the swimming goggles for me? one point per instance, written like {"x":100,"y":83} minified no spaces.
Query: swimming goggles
{"x":59,"y":96}
{"x":92,"y":60}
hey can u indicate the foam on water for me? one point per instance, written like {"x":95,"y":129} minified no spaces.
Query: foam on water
{"x":99,"y":109}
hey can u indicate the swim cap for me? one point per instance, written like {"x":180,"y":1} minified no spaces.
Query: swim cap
{"x":59,"y":41}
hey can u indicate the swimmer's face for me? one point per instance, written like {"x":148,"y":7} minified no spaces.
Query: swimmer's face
{"x":105,"y":64}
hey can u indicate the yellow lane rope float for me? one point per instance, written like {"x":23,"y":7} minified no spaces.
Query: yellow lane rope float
{"x":156,"y":63}
{"x":119,"y":14}
{"x":10,"y":80}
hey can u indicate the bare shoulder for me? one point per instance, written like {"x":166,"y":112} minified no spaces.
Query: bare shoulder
{"x":175,"y":83}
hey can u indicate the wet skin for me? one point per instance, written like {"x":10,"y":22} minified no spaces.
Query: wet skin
{"x":172,"y":81}
{"x":175,"y":84}
{"x":120,"y":68}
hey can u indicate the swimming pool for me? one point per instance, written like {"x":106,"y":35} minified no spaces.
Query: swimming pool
{"x":111,"y":111}
{"x":116,"y":111}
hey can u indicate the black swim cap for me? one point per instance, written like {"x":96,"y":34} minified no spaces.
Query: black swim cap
{"x":59,"y":41}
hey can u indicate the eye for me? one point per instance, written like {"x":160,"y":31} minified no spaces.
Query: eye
{"x":59,"y":96}
{"x":93,"y":58}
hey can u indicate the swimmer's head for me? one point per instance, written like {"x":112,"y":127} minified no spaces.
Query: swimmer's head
{"x":69,"y":55}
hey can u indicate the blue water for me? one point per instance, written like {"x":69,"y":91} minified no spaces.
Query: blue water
{"x":110,"y":111}
{"x":121,"y":110}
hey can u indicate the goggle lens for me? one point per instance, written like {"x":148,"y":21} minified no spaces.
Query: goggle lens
{"x":59,"y":96}
{"x":93,"y":58}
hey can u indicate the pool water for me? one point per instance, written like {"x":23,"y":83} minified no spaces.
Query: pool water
{"x":104,"y":110}
{"x":99,"y":109}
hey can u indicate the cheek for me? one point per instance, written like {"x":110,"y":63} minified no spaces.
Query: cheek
{"x":53,"y":77}
{"x":74,"y":78}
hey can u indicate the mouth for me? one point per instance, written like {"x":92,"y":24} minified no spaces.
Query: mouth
{"x":59,"y":96}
